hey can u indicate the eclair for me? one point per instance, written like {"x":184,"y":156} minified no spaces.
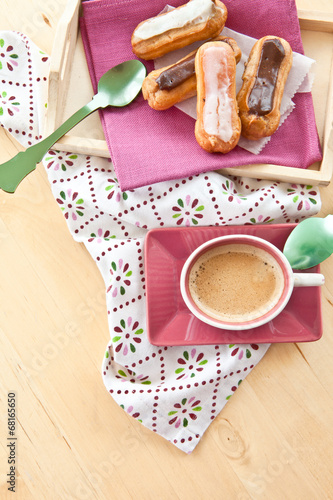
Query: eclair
{"x":164,"y":87}
{"x":218,"y":127}
{"x":264,"y":79}
{"x":196,"y":20}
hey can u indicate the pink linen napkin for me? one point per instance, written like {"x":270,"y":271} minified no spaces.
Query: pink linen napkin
{"x":147,"y":146}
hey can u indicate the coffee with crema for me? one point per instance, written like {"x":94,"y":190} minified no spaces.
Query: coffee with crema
{"x":236,"y":282}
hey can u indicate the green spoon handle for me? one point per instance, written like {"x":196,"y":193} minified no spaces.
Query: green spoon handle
{"x":36,"y":152}
{"x":15,"y":170}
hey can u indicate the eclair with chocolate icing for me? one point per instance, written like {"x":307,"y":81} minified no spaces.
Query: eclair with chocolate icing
{"x":164,"y":87}
{"x":264,"y":79}
{"x":194,"y":21}
{"x":218,"y":127}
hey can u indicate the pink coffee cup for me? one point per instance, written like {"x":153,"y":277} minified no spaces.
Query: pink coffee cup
{"x":238,"y":282}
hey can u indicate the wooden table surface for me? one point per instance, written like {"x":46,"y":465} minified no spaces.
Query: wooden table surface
{"x":273,"y":440}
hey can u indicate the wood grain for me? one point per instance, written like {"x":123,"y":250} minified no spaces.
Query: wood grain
{"x":273,"y":439}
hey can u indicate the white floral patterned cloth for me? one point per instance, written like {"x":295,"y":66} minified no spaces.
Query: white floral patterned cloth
{"x":176,"y":392}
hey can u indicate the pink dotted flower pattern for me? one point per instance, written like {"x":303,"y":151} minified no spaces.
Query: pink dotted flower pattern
{"x":187,"y":408}
{"x":303,"y":196}
{"x":187,"y":211}
{"x":57,"y":160}
{"x":113,"y":190}
{"x":120,"y":273}
{"x":128,"y":375}
{"x":190,"y":364}
{"x":228,"y":189}
{"x":70,"y":204}
{"x":9,"y":104}
{"x":261,"y":219}
{"x":127,"y":335}
{"x":234,"y":388}
{"x":101,"y":236}
{"x":130,"y":411}
{"x":8,"y":58}
{"x":239,"y":351}
{"x":44,"y":57}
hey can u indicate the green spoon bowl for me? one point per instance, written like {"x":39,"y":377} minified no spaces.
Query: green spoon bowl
{"x":117,"y":87}
{"x":310,"y":243}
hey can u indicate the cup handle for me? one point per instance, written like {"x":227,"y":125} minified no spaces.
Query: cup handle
{"x":308,"y":279}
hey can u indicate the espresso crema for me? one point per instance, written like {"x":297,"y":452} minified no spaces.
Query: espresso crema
{"x":236,"y":282}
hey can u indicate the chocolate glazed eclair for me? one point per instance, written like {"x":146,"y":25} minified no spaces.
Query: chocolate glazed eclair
{"x":166,"y":86}
{"x":264,"y":79}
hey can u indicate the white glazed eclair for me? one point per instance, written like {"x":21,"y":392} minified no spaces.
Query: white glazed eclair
{"x":196,"y":20}
{"x":218,"y":126}
{"x":165,"y":87}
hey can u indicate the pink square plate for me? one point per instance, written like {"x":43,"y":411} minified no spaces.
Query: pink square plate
{"x":170,"y":322}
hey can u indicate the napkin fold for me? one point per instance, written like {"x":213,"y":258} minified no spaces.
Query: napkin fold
{"x":176,"y":392}
{"x":143,"y":141}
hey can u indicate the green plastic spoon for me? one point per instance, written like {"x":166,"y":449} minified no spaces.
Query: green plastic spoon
{"x":117,"y":87}
{"x":310,"y":243}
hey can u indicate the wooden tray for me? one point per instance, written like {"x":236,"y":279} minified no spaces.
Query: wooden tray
{"x":69,"y":72}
